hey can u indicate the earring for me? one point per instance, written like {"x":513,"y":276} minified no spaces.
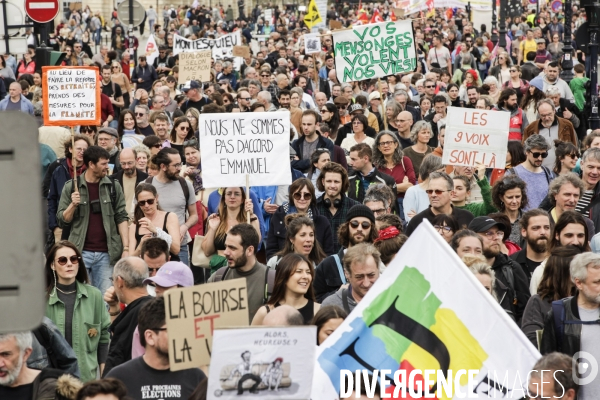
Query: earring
{"x":292,"y":246}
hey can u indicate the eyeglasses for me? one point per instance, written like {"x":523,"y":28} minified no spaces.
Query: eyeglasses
{"x":184,"y":128}
{"x":63,"y":260}
{"x":430,"y":86}
{"x":364,"y":224}
{"x":302,"y":196}
{"x":192,"y":142}
{"x":378,"y":211}
{"x":356,"y":123}
{"x":86,"y":129}
{"x":440,"y":228}
{"x":438,"y":192}
{"x":266,"y":76}
{"x":178,"y":165}
{"x":538,"y":155}
{"x":491,"y":235}
{"x":149,"y":202}
{"x":386,"y":144}
{"x":246,"y":98}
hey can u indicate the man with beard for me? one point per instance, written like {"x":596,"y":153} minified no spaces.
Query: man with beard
{"x":358,"y":228}
{"x":582,"y":311}
{"x":176,"y":195}
{"x":149,"y":376}
{"x":472,"y":96}
{"x":284,"y":97}
{"x":518,"y":119}
{"x":507,"y":271}
{"x":564,"y":194}
{"x":535,"y":229}
{"x":129,"y":177}
{"x":241,"y":245}
{"x":18,"y":381}
{"x":96,"y":214}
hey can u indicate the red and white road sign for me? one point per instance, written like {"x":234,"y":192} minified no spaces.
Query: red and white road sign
{"x":41,"y":11}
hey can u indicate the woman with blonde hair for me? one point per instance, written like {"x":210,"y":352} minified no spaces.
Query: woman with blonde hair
{"x":501,"y":68}
{"x":420,"y":134}
{"x":119,"y":78}
{"x":193,"y":115}
{"x":494,"y":91}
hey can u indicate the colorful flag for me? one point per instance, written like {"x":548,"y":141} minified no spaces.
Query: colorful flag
{"x":151,"y":50}
{"x":427,"y":311}
{"x":362,"y":18}
{"x":312,"y":16}
{"x":376,"y":17}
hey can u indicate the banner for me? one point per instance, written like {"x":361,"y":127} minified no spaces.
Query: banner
{"x":151,"y":50}
{"x":222,"y":47}
{"x":476,"y":136}
{"x":374,"y":51}
{"x":194,"y":65}
{"x":312,"y":43}
{"x":194,"y":312}
{"x":71,"y":96}
{"x":427,"y":312}
{"x":274,"y":362}
{"x":234,"y":145}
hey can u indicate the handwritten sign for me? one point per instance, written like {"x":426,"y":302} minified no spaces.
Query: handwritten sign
{"x":194,"y":65}
{"x":71,"y":96}
{"x":476,"y":136}
{"x":236,"y":144}
{"x":194,"y":312}
{"x":374,"y":51}
{"x":312,"y":43}
{"x":278,"y":360}
{"x":333,"y":24}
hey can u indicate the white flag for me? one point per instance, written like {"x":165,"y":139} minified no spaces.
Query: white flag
{"x":151,"y":50}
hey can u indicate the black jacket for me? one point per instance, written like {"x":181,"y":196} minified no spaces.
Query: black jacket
{"x":327,"y":277}
{"x":529,"y":71}
{"x":463,"y":217}
{"x":139,"y":177}
{"x":356,"y":190}
{"x":571,"y":342}
{"x":323,"y":87}
{"x":304,"y":165}
{"x":345,"y":130}
{"x":121,"y":334}
{"x":433,"y":142}
{"x":504,"y":299}
{"x":278,"y":231}
{"x":512,"y":276}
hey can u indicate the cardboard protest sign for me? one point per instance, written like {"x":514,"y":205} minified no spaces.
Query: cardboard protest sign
{"x":398,"y":12}
{"x":71,"y":96}
{"x":241,"y":51}
{"x":277,"y":362}
{"x":222,"y":47}
{"x":236,"y":144}
{"x":476,"y":136}
{"x":195,"y":65}
{"x":312,"y":43}
{"x":413,"y":319}
{"x":333,"y":24}
{"x":194,"y":312}
{"x":374,"y":51}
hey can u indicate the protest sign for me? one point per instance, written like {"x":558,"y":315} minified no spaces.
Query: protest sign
{"x":428,"y":312}
{"x":374,"y":51}
{"x":333,"y":24}
{"x":276,"y":361}
{"x":398,"y":12}
{"x":194,"y":312}
{"x":234,"y":145}
{"x":312,"y":43}
{"x":241,"y":51}
{"x":221,"y":47}
{"x":476,"y":137}
{"x":194,"y":65}
{"x":71,"y":96}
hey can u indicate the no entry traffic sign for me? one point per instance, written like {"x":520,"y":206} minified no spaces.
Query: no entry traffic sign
{"x":41,"y":11}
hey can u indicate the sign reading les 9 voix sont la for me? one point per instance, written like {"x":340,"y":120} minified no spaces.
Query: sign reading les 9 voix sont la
{"x":239,"y":144}
{"x":476,"y":137}
{"x":374,"y":51}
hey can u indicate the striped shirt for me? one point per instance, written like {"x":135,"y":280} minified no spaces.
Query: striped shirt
{"x":584,"y":201}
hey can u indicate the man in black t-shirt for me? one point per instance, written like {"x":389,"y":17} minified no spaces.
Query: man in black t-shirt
{"x":113,"y":91}
{"x":535,"y":229}
{"x":163,"y":63}
{"x":196,"y":99}
{"x":149,"y":376}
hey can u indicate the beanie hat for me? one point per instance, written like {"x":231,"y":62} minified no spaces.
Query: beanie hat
{"x":360,"y":210}
{"x":538,"y":82}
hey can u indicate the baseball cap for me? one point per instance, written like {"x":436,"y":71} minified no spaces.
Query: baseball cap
{"x":356,"y":107}
{"x":173,"y":273}
{"x":519,"y":33}
{"x":540,"y":41}
{"x":191,"y":85}
{"x":482,"y":224}
{"x":374,"y":95}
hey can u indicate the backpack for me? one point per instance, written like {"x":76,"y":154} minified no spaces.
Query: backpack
{"x":182,"y":182}
{"x":173,"y":14}
{"x":558,"y":311}
{"x":269,"y":280}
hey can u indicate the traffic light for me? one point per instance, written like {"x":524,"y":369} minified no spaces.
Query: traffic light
{"x":57,"y":57}
{"x":44,"y":56}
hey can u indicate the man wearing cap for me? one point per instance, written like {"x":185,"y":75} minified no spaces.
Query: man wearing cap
{"x":195,"y":98}
{"x":516,"y":43}
{"x":359,"y":227}
{"x":107,"y":139}
{"x":375,"y":108}
{"x":329,"y":66}
{"x":529,"y":44}
{"x":342,"y":103}
{"x":344,"y":131}
{"x":507,"y":271}
{"x":542,"y":56}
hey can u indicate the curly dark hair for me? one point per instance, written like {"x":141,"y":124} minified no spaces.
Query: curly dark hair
{"x":505,"y":184}
{"x":344,"y":235}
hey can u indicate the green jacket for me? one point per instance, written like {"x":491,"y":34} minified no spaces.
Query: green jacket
{"x":486,"y":206}
{"x":90,"y":326}
{"x":112,"y":216}
{"x":577,"y":86}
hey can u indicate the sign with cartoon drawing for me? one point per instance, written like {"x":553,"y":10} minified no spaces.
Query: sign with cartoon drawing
{"x":266,"y":363}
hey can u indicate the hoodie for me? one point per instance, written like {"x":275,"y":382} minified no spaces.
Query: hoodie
{"x":577,"y":86}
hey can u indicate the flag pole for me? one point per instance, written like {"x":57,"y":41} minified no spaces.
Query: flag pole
{"x":385,"y":124}
{"x":73,"y":159}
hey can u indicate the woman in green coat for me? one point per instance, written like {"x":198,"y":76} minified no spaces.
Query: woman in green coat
{"x":77,"y":308}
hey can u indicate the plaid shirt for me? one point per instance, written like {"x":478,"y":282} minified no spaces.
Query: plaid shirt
{"x":338,"y":219}
{"x":274,"y":92}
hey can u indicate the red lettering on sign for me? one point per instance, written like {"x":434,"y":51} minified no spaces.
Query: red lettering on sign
{"x":476,"y":119}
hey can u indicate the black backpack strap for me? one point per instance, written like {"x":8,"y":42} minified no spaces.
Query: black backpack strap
{"x":558,"y":311}
{"x":149,"y":180}
{"x":184,"y":187}
{"x":548,"y":174}
{"x":345,"y":301}
{"x":220,"y":274}
{"x":269,"y":283}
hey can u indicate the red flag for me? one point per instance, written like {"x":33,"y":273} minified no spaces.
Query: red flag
{"x":376,"y":17}
{"x":363,"y":18}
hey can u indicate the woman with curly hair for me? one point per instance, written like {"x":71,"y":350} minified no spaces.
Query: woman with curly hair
{"x":510,"y":197}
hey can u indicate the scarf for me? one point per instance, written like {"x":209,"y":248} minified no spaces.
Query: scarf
{"x":196,"y":178}
{"x":80,"y":169}
{"x":129,"y":132}
{"x":289,"y":209}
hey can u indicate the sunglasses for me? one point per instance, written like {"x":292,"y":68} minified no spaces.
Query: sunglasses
{"x":144,"y":202}
{"x":302,"y":196}
{"x":537,"y":155}
{"x":140,"y":114}
{"x":342,"y":107}
{"x":324,"y":110}
{"x":573,"y":155}
{"x":246,"y":98}
{"x":157,"y":146}
{"x":436,"y":191}
{"x":364,"y":224}
{"x":184,"y":128}
{"x":430,"y":86}
{"x":86,"y":130}
{"x":63,"y":260}
{"x":266,"y":76}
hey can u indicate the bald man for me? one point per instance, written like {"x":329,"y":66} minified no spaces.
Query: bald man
{"x":404,"y":121}
{"x":283,"y":315}
{"x":16,"y":101}
{"x":320,"y":99}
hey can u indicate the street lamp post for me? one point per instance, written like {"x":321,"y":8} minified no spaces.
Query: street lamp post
{"x":502,"y":30}
{"x":567,"y":60}
{"x":592,"y":11}
{"x":494,"y":37}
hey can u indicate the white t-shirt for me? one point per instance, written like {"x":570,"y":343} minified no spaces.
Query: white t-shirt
{"x":440,"y":56}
